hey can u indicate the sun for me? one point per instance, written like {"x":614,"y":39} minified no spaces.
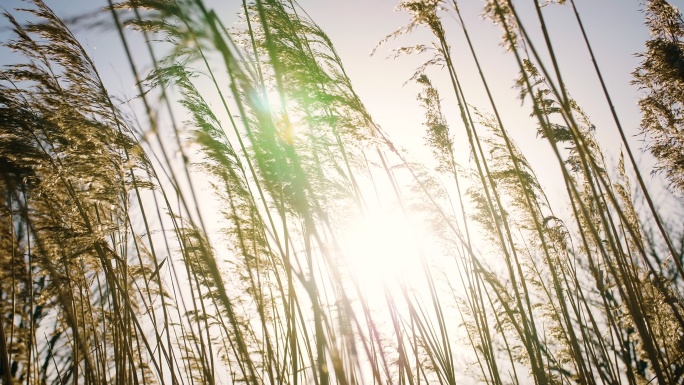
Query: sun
{"x":382,"y":247}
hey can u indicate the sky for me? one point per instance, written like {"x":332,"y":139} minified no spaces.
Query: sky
{"x":615,"y":29}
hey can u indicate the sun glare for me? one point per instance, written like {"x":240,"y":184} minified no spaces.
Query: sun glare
{"x":382,"y":248}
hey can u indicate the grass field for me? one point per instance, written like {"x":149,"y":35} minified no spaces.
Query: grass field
{"x":243,"y":219}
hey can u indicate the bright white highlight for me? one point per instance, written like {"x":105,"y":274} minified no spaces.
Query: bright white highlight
{"x":382,"y":248}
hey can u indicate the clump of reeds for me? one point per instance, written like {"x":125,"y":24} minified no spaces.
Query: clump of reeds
{"x":117,"y":269}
